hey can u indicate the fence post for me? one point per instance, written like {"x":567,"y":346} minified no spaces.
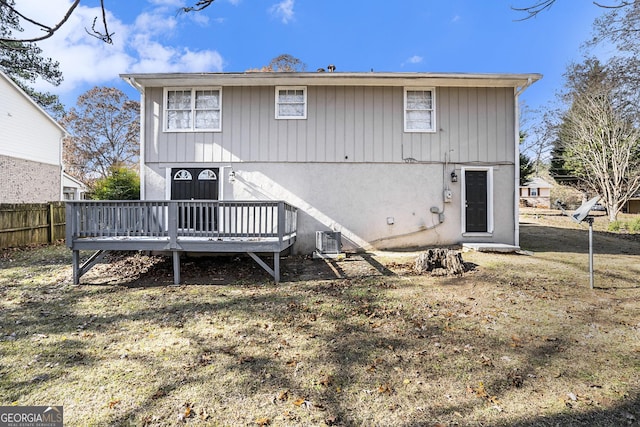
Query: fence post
{"x":52,"y":224}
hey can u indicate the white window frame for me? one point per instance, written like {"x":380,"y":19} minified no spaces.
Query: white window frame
{"x":432,"y":110}
{"x":194,"y":90}
{"x":277,"y":102}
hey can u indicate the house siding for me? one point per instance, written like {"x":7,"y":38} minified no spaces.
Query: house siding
{"x":360,"y":124}
{"x":350,"y":166}
{"x":27,"y":133}
{"x":26,"y":181}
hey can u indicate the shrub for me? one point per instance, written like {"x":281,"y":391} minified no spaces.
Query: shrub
{"x":615,"y":226}
{"x":634,"y":226}
{"x":121,"y":184}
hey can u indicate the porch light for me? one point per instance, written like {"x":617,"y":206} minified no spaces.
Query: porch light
{"x":454,"y":177}
{"x":232,"y":177}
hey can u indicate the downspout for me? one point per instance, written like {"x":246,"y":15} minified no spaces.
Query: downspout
{"x":140,"y":89}
{"x":516,"y":202}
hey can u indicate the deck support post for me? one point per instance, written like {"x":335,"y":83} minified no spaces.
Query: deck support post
{"x":176,"y":267}
{"x":275,"y":271}
{"x":80,"y":270}
{"x":76,"y":263}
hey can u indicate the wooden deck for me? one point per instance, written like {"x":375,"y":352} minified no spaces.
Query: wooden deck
{"x":176,"y":226}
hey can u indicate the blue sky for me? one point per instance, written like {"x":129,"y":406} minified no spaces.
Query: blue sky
{"x":474,"y":36}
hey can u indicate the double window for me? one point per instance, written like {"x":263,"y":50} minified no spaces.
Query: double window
{"x":189,"y":109}
{"x":419,"y":110}
{"x":291,"y":102}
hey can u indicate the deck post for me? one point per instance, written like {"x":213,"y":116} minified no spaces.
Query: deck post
{"x":176,"y":267}
{"x":76,"y":267}
{"x":276,"y":267}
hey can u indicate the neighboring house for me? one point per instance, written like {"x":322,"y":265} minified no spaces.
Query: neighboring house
{"x":30,"y":149}
{"x":391,"y":160}
{"x":633,"y":205}
{"x":72,"y":189}
{"x":536,"y":193}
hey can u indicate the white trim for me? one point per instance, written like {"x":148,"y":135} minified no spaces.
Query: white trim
{"x":142,"y":164}
{"x":433,"y":109}
{"x":277,"y":103}
{"x":193,"y":90}
{"x":463,"y":195}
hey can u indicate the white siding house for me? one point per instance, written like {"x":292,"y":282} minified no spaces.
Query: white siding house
{"x":391,"y":160}
{"x":536,"y":193}
{"x":30,"y":149}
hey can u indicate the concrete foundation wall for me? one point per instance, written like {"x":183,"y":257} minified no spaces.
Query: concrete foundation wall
{"x":373,"y":205}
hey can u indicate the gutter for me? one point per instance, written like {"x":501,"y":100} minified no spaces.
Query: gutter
{"x":516,"y":205}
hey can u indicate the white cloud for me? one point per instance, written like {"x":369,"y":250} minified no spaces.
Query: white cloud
{"x":283,"y":11}
{"x":455,"y":19}
{"x":415,"y":59}
{"x":137,"y":47}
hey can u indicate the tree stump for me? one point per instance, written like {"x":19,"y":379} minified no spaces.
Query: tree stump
{"x":439,"y":262}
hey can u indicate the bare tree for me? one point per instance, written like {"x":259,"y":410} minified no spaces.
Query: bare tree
{"x":105,"y":131}
{"x":541,"y":5}
{"x":101,"y":32}
{"x":282,"y":63}
{"x":602,"y":146}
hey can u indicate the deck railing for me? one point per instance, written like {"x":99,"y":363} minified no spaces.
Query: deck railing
{"x":180,"y":218}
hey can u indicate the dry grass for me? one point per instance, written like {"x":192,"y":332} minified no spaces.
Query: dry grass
{"x":517,"y":341}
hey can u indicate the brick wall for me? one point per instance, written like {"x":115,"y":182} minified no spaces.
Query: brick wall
{"x":25,"y":181}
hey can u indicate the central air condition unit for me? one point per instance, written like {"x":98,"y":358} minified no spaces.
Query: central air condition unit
{"x":328,"y":242}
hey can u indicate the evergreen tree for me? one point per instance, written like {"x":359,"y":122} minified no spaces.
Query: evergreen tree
{"x":23,"y":62}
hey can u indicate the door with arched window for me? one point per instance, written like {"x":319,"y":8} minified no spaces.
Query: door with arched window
{"x":196,"y":184}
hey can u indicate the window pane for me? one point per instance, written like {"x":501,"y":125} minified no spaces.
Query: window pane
{"x":291,"y":110}
{"x":208,"y":119}
{"x":419,"y":100}
{"x":207,"y":99}
{"x":178,"y":99}
{"x":178,"y":119}
{"x":419,"y":120}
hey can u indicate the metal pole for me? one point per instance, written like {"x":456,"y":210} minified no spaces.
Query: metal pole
{"x":590,"y":221}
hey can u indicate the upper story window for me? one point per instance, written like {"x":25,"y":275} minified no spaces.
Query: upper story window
{"x":188,"y":109}
{"x":291,"y":102}
{"x":419,"y":110}
{"x":533,"y":192}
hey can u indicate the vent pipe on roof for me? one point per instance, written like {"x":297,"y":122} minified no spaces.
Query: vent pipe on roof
{"x":331,"y":68}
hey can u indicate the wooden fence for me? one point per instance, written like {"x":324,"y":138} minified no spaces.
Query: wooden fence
{"x":31,"y":223}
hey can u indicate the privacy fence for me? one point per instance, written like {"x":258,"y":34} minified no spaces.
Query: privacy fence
{"x":31,"y":223}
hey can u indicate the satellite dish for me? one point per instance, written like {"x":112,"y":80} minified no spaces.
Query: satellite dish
{"x":581,"y":213}
{"x":578,"y":216}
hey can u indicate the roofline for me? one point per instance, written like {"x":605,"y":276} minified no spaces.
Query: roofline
{"x":24,"y":94}
{"x":518,"y":81}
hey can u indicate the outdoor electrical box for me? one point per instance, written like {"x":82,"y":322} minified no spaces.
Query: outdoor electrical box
{"x":448,"y":195}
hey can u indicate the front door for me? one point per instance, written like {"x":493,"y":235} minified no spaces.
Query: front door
{"x":476,"y":201}
{"x":196,"y":184}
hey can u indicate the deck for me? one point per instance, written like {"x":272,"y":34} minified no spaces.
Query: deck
{"x":177,"y":226}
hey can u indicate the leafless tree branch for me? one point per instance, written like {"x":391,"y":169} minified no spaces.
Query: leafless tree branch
{"x":49,"y":31}
{"x":542,"y":5}
{"x":106,"y":36}
{"x":199,"y":5}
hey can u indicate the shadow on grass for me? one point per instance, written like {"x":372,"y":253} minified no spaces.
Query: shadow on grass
{"x":539,"y":238}
{"x":360,"y":335}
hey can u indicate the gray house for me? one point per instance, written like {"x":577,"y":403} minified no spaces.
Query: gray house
{"x":390,"y":160}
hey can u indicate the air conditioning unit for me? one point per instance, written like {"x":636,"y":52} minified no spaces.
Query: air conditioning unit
{"x":328,"y":242}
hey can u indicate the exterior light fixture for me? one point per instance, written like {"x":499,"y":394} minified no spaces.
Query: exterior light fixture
{"x":232,"y":177}
{"x":454,"y":177}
